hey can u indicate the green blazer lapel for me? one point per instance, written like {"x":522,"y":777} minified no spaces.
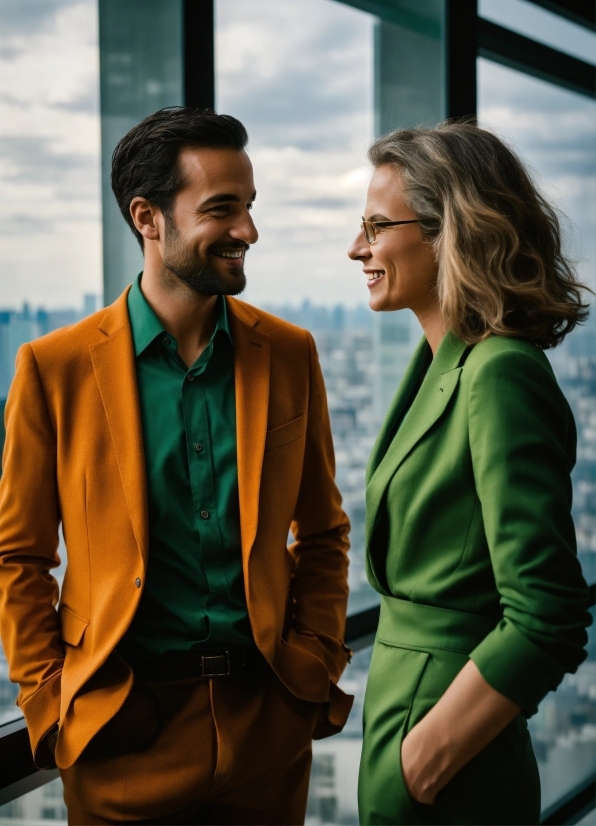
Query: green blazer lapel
{"x":428,"y":406}
{"x":406,"y":388}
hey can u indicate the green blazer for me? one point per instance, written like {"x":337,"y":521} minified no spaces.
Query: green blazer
{"x":469,"y":507}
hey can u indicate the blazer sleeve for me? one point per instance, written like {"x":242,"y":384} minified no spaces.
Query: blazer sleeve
{"x":29,"y":520}
{"x":320,"y":527}
{"x":522,"y":440}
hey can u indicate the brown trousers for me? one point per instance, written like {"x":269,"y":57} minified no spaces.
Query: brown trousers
{"x":227,"y":750}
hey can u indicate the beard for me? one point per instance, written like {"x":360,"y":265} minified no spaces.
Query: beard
{"x":194,"y":270}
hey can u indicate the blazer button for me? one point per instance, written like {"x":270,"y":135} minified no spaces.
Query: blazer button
{"x":205,"y":514}
{"x":138,"y":582}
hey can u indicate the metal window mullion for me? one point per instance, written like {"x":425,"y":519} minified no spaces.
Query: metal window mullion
{"x":525,"y":55}
{"x":580,"y":12}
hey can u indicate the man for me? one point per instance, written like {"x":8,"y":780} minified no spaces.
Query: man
{"x":178,"y":436}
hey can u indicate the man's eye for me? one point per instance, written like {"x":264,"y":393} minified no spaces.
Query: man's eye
{"x":223,"y":209}
{"x":249,"y":206}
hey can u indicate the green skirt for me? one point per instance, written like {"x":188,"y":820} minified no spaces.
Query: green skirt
{"x":418,"y":651}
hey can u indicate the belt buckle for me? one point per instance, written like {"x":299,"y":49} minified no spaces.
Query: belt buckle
{"x":225,"y":656}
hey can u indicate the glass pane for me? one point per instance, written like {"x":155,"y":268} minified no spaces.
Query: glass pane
{"x":300,"y":77}
{"x":554,"y":130}
{"x":333,"y":791}
{"x":50,"y":213}
{"x":50,"y":241}
{"x":589,"y":819}
{"x":564,"y":731}
{"x":539,"y":24}
{"x":141,"y":72}
{"x":42,"y":805}
{"x":409,"y":91}
{"x":409,"y":60}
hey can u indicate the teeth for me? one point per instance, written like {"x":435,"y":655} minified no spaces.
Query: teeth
{"x":230,"y":253}
{"x":372,"y":276}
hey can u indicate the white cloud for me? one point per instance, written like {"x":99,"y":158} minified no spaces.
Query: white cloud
{"x":50,"y":231}
{"x":300,"y":76}
{"x":553,"y":130}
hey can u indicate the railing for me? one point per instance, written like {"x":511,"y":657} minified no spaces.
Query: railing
{"x":18,"y":772}
{"x":19,"y":775}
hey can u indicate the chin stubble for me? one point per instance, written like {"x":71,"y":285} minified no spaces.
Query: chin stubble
{"x":193,"y":270}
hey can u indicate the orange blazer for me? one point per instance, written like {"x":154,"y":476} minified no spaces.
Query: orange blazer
{"x":74,"y":454}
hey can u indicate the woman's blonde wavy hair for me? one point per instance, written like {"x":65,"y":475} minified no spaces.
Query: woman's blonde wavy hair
{"x":496,"y":239}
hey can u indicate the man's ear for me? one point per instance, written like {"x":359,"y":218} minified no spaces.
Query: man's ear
{"x":144,"y":217}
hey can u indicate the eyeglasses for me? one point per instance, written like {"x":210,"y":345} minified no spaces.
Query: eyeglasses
{"x":371,"y":227}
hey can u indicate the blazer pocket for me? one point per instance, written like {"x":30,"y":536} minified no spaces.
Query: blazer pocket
{"x":73,"y":626}
{"x":286,"y":433}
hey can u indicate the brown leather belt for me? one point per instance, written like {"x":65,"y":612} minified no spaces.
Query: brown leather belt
{"x":204,"y":662}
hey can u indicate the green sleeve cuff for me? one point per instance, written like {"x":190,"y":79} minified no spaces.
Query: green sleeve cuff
{"x":516,"y":667}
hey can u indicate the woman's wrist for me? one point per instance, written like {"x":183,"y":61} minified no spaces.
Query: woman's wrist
{"x":466,"y":718}
{"x":426,"y":760}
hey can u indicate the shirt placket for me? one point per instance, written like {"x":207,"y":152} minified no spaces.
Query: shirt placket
{"x":200,"y":462}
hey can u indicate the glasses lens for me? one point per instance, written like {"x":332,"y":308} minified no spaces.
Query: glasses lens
{"x":369,"y":231}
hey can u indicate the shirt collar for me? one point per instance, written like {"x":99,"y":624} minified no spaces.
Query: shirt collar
{"x":146,"y":326}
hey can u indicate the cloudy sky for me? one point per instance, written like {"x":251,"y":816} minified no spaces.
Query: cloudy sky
{"x":554,"y":131}
{"x":49,"y":152}
{"x":300,"y":75}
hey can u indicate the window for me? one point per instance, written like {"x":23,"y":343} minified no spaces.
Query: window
{"x":300,"y":77}
{"x":553,"y":130}
{"x":50,"y":215}
{"x":313,"y":81}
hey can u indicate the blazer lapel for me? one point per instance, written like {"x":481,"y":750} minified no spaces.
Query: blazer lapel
{"x":115,"y":371}
{"x":428,"y":406}
{"x":251,"y":371}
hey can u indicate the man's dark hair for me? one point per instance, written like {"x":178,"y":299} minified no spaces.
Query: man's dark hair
{"x":145,"y":161}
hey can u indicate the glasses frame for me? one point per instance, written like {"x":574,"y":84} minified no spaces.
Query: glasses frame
{"x":370,"y":227}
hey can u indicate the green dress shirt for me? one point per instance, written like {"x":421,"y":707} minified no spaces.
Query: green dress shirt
{"x":194,"y":586}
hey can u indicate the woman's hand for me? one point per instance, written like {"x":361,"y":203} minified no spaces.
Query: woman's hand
{"x":423,"y":764}
{"x":467,"y":717}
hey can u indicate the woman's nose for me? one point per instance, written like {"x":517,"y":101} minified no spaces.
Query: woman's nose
{"x":359,"y":248}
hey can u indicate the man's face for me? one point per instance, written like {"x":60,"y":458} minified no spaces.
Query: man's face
{"x":209,"y":228}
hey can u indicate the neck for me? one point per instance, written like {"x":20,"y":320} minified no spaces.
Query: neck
{"x":433,"y":325}
{"x":187,"y":315}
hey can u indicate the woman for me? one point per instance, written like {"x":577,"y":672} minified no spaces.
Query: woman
{"x":470,"y":540}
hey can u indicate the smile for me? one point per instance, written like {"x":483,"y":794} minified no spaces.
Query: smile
{"x":371,"y":277}
{"x":235,"y":253}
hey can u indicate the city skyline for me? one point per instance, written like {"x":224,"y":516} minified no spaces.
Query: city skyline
{"x":351,"y":345}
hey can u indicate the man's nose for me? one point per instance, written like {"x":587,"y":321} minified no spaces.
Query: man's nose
{"x":245,"y":230}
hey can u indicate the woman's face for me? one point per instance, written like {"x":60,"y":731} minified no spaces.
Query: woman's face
{"x":400,"y":266}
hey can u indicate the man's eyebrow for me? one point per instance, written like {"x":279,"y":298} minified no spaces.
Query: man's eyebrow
{"x":223,"y":198}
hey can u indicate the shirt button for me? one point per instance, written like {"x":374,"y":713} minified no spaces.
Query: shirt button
{"x":205,"y":514}
{"x":191,"y":377}
{"x":198,"y":447}
{"x":167,"y":340}
{"x":138,"y":582}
